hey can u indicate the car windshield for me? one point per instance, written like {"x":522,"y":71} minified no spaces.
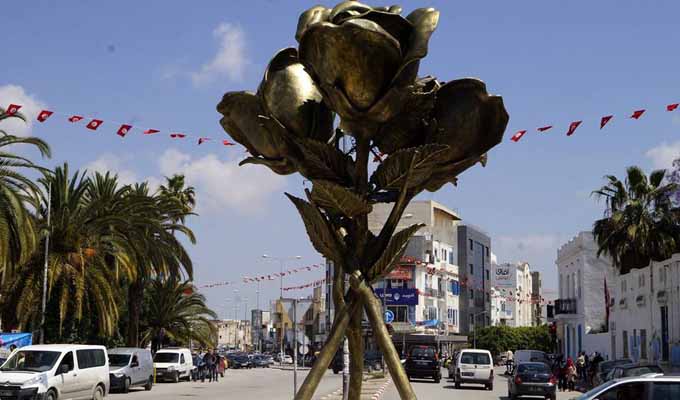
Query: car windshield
{"x":637,"y":371}
{"x":532,"y":369}
{"x":475,"y":358}
{"x":592,"y":392}
{"x":422,"y":352}
{"x":166,"y":358}
{"x":31,"y":360}
{"x":119,"y":360}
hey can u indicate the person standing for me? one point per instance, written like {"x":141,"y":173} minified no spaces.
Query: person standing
{"x":571,"y":374}
{"x":216,"y":368}
{"x":581,"y":365}
{"x":210,"y":364}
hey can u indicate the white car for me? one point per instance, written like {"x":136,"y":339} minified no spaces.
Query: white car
{"x":472,"y":366}
{"x":56,"y":371}
{"x":657,"y":387}
{"x":173,"y":364}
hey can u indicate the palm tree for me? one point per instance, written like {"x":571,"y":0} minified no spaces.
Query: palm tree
{"x":158,"y":251}
{"x":639,"y":224}
{"x":18,"y":233}
{"x":176,"y":312}
{"x":184,"y":196}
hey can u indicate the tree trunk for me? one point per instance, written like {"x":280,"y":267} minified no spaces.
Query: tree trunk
{"x":356,"y":354}
{"x":135,"y":298}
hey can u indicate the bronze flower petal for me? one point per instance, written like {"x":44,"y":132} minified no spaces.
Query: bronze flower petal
{"x":310,"y":17}
{"x":425,"y":21}
{"x":291,"y":96}
{"x":359,"y":57}
{"x":347,"y":9}
{"x":470,"y":121}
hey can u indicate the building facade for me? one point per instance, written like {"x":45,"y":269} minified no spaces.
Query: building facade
{"x":233,"y":334}
{"x":580,"y":310}
{"x":644,"y":320}
{"x":474,"y":262}
{"x":513,"y":288}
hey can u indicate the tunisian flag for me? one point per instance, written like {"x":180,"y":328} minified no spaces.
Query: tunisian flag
{"x":75,"y":118}
{"x":517,"y":136}
{"x":203,"y":140}
{"x":94,"y":124}
{"x":44,"y":114}
{"x":572,"y":127}
{"x":605,"y":120}
{"x":151,"y":131}
{"x":637,"y":114}
{"x":12,"y":109}
{"x":123,"y":130}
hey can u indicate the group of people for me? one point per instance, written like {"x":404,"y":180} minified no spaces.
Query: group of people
{"x":568,"y":372}
{"x":210,"y":365}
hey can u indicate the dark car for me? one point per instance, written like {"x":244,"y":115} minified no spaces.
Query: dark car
{"x":423,"y":362}
{"x":631,"y":370}
{"x":532,"y":379}
{"x":239,"y":361}
{"x":260,"y":361}
{"x":604,"y":367}
{"x":372,"y":361}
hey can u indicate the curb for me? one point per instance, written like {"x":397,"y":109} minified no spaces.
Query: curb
{"x":379,"y":394}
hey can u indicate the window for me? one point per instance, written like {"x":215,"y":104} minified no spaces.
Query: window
{"x":471,"y":245}
{"x":90,"y":358}
{"x":624,"y":287}
{"x":579,"y":283}
{"x":625,"y":391}
{"x":475,"y":358}
{"x":625,"y":343}
{"x":400,"y":313}
{"x":472,"y":319}
{"x":665,"y":390}
{"x":455,"y":288}
{"x":181,"y":359}
{"x":488,"y":298}
{"x":451,"y":257}
{"x":472,"y":294}
{"x":67,"y":360}
{"x":487,"y":252}
{"x":487,"y":275}
{"x":643,"y":343}
{"x":641,"y":280}
{"x":472,"y":269}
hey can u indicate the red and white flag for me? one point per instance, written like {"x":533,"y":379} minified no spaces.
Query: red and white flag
{"x":672,"y":107}
{"x":544,"y":128}
{"x":123,"y":130}
{"x":637,"y":114}
{"x":12,"y":109}
{"x":94,"y":124}
{"x":572,"y":127}
{"x":228,"y":143}
{"x":44,"y":114}
{"x":517,"y":136}
{"x":75,"y":118}
{"x":605,"y":120}
{"x":177,"y":135}
{"x":202,"y":140}
{"x":151,"y":131}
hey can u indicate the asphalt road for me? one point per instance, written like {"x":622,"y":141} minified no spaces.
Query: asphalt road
{"x":427,"y":389}
{"x":256,"y":384}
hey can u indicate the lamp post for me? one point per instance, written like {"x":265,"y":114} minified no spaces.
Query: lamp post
{"x":474,"y":331}
{"x":281,"y":261}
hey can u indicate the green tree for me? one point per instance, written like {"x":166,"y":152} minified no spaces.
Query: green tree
{"x":175,"y":312}
{"x":639,"y":224}
{"x":18,"y":232}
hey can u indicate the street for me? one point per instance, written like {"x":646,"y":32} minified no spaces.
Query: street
{"x":275,"y":384}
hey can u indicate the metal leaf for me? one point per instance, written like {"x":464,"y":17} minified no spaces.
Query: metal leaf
{"x":391,"y":173}
{"x":321,"y":237}
{"x":339,"y":199}
{"x":322,"y":161}
{"x":393,"y":252}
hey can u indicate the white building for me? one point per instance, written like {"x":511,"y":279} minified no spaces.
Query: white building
{"x":234,"y":334}
{"x":511,"y":289}
{"x":645,"y":313}
{"x":580,"y":310}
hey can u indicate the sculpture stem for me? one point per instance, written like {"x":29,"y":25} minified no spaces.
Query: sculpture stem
{"x":356,"y":353}
{"x":328,"y":351}
{"x":374,"y":313}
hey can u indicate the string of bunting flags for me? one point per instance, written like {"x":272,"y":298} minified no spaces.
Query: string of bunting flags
{"x":636,"y":115}
{"x":261,"y":278}
{"x":123,"y":130}
{"x":315,"y":284}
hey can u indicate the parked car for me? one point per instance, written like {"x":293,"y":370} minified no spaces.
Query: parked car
{"x":423,"y":362}
{"x":130,"y":367}
{"x":173,"y":364}
{"x":630,"y":370}
{"x":532,"y":379}
{"x":472,"y":366}
{"x":638,"y":388}
{"x":56,"y":371}
{"x":239,"y":361}
{"x":604,"y":367}
{"x":260,"y":361}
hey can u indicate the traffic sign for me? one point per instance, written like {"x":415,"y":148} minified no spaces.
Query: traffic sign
{"x":304,"y":349}
{"x":389,"y":316}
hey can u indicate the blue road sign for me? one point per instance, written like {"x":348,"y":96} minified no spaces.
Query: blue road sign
{"x":389,"y":316}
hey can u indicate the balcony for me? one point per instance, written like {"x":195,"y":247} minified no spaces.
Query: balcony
{"x":566,"y":306}
{"x":434,"y":293}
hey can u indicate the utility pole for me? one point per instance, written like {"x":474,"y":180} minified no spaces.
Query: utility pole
{"x":295,"y":349}
{"x":47,"y":249}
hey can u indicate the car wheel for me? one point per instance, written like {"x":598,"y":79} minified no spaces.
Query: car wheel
{"x":457,"y":385}
{"x":336,"y":371}
{"x":175,"y":378}
{"x":51,"y":395}
{"x":126,"y":385}
{"x":149,"y":384}
{"x":437,"y":379}
{"x":98,"y":393}
{"x":489,"y":386}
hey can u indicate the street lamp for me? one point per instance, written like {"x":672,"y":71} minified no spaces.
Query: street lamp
{"x":281,"y":260}
{"x":474,"y":331}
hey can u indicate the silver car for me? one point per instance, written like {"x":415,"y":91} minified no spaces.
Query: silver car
{"x":653,"y":387}
{"x":130,"y":367}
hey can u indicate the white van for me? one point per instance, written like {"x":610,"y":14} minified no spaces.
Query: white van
{"x":56,"y":371}
{"x":472,"y":366}
{"x":173,"y":364}
{"x":130,"y":367}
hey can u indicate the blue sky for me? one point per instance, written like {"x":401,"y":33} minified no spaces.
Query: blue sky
{"x":165,"y":65}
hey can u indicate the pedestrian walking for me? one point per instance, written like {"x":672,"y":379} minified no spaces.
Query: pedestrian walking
{"x":210,"y":364}
{"x":571,"y":374}
{"x":216,"y":368}
{"x":581,"y":365}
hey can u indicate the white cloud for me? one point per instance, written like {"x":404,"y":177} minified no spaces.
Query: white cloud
{"x":230,"y":60}
{"x":222,"y":184}
{"x":30,"y":107}
{"x":114,"y":164}
{"x":662,"y":156}
{"x":539,"y":250}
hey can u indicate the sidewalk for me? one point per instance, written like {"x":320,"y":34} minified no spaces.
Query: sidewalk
{"x":372,"y":389}
{"x":289,"y":367}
